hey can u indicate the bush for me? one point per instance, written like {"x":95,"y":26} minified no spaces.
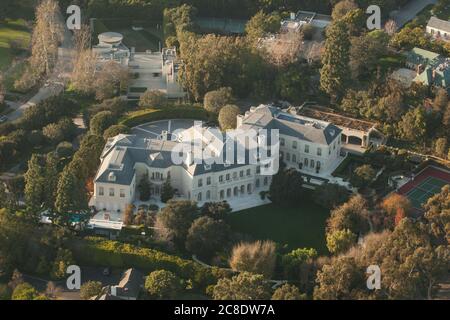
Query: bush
{"x":24,"y":291}
{"x":90,"y":289}
{"x":115,"y":130}
{"x":163,"y":284}
{"x":94,"y":251}
{"x":153,"y":99}
{"x":215,"y":100}
{"x":258,"y":257}
{"x":228,"y":117}
{"x":101,"y":121}
{"x":176,"y":112}
{"x":64,"y":149}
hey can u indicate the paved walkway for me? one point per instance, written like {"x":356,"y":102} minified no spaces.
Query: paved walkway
{"x":410,"y":11}
{"x":55,"y":84}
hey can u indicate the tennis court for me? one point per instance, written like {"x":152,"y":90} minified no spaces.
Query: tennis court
{"x":425,"y":190}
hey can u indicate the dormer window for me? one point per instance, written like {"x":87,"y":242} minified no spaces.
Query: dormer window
{"x":207,"y":167}
{"x":111,"y":176}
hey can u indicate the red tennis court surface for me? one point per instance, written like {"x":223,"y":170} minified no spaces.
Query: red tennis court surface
{"x":424,"y":185}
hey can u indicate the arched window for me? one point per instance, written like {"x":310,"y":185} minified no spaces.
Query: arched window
{"x":235,"y":191}
{"x":199,"y":196}
{"x":208,"y":195}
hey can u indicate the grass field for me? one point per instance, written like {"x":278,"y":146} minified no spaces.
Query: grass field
{"x":12,"y":30}
{"x":302,"y":226}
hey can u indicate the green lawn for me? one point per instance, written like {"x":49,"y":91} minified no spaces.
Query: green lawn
{"x":302,"y":226}
{"x":12,"y":30}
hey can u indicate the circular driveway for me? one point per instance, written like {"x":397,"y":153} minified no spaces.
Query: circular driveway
{"x":154,"y":129}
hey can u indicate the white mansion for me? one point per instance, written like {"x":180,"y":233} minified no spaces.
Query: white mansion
{"x":307,"y":144}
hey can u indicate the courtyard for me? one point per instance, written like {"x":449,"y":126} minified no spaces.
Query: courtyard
{"x":300,"y":226}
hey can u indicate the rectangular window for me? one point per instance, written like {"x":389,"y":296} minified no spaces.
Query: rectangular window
{"x":101,"y":191}
{"x":249,"y":172}
{"x":200,"y":183}
{"x":227,"y":177}
{"x":319,"y":151}
{"x":282,"y":141}
{"x":122,"y":193}
{"x":208,"y":181}
{"x":220,"y":178}
{"x":306,"y":148}
{"x":258,"y":169}
{"x":111,"y":192}
{"x":294,"y":144}
{"x":241,"y":173}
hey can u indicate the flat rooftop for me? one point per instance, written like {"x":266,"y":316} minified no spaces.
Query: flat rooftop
{"x":329,"y":115}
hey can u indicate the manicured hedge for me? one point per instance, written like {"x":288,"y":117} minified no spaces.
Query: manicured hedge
{"x":171,"y":112}
{"x":96,"y":251}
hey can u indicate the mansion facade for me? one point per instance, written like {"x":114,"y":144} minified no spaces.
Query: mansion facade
{"x":308,"y":145}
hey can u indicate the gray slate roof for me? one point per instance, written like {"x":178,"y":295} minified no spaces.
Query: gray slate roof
{"x":439,"y":24}
{"x":122,"y":152}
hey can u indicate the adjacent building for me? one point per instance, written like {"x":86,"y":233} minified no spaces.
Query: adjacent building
{"x":148,"y":70}
{"x":431,"y":68}
{"x":438,"y":28}
{"x":309,"y":145}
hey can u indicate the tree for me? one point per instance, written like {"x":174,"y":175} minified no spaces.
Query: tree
{"x":351,"y":215}
{"x":63,"y":260}
{"x":335,"y":59}
{"x":258,"y":257}
{"x":177,"y":217}
{"x":342,"y":279}
{"x":228,"y":117}
{"x":342,"y":8}
{"x":101,"y":121}
{"x":216,"y":210}
{"x":261,"y":24}
{"x":297,"y":262}
{"x":288,"y":292}
{"x":289,"y":179}
{"x":390,"y":27}
{"x":35,"y":183}
{"x":412,"y":126}
{"x":64,"y":129}
{"x":365,"y":52}
{"x":215,"y":100}
{"x":206,"y":236}
{"x":153,"y":99}
{"x":84,"y":71}
{"x":24,"y":291}
{"x":340,"y":241}
{"x":362,"y":176}
{"x":144,"y":188}
{"x":244,"y":286}
{"x":64,"y":149}
{"x":440,"y":101}
{"x":437,"y":214}
{"x":293,"y":82}
{"x":129,"y":214}
{"x":47,"y":34}
{"x":330,"y":195}
{"x":395,"y":202}
{"x":167,"y":192}
{"x":440,"y":147}
{"x":90,"y":289}
{"x":110,"y":79}
{"x":71,"y":193}
{"x":163,"y":284}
